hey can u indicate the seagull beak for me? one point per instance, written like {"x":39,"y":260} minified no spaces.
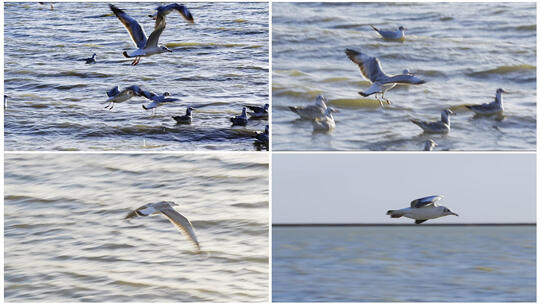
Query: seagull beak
{"x":454,"y":214}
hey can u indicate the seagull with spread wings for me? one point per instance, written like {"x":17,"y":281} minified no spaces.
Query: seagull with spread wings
{"x":422,"y":209}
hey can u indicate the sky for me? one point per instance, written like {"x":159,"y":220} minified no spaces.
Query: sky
{"x":361,"y":187}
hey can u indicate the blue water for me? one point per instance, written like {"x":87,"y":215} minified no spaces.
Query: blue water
{"x":411,"y":264}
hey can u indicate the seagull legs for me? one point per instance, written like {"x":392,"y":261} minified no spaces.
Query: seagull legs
{"x":111,"y":105}
{"x":136,"y":61}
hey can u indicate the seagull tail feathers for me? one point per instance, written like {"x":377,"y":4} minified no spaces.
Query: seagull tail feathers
{"x":393,"y":213}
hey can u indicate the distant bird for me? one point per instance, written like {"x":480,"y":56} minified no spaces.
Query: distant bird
{"x":240,"y":120}
{"x":51,"y":5}
{"x":442,"y":126}
{"x":116,"y":96}
{"x":90,"y":60}
{"x":258,"y":112}
{"x":5,"y":101}
{"x":325,"y":123}
{"x":371,"y":70}
{"x":157,"y":100}
{"x":430,"y":144}
{"x":184,"y":119}
{"x":312,"y":111}
{"x":494,"y":107}
{"x":389,"y":34}
{"x":177,"y":219}
{"x":164,"y":10}
{"x":145,"y":47}
{"x":422,"y":209}
{"x":262,"y":137}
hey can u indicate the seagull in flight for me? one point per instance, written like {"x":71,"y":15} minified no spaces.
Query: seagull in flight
{"x":157,"y":100}
{"x":441,"y":127}
{"x":494,"y":107}
{"x":422,"y":209}
{"x":164,"y":10}
{"x":391,"y":35}
{"x":312,"y":111}
{"x":117,"y":96}
{"x":145,"y":47}
{"x":371,"y":70}
{"x":177,"y":219}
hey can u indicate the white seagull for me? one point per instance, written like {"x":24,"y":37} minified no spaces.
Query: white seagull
{"x":371,"y":70}
{"x":494,"y":107}
{"x":430,"y":144}
{"x":258,"y":112}
{"x":163,"y":10}
{"x":184,"y":119}
{"x":177,"y":219}
{"x":325,"y":123}
{"x":240,"y":120}
{"x":422,"y":209}
{"x":312,"y":111}
{"x":157,"y":100}
{"x":145,"y":47}
{"x":389,"y":34}
{"x":117,"y":96}
{"x":441,"y":127}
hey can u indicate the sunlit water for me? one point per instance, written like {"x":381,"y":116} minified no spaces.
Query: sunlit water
{"x":65,"y":237}
{"x":465,"y":52}
{"x":410,"y":264}
{"x":56,"y":102}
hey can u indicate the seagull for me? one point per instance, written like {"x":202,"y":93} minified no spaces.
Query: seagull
{"x":5,"y":101}
{"x":494,"y":107}
{"x":116,"y":96}
{"x":371,"y":70}
{"x":240,"y":120}
{"x":52,"y":6}
{"x":157,"y":100}
{"x":312,"y":111}
{"x":145,"y":47}
{"x":262,"y":137}
{"x":258,"y":112}
{"x":442,"y":126}
{"x":90,"y":60}
{"x":422,"y":209}
{"x":164,"y":10}
{"x":325,"y":123}
{"x":184,"y":119}
{"x":430,"y":144}
{"x":177,"y":219}
{"x":389,"y":34}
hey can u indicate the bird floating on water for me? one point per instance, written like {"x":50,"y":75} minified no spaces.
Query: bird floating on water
{"x":442,"y":126}
{"x":90,"y":60}
{"x":163,"y":10}
{"x":371,"y":70}
{"x":157,"y":100}
{"x":177,"y":219}
{"x":240,"y":120}
{"x":422,"y":209}
{"x":258,"y":112}
{"x":184,"y":119}
{"x":263,"y":137}
{"x":429,"y":145}
{"x":494,"y":107}
{"x":117,"y":96}
{"x":145,"y":47}
{"x":391,"y":35}
{"x":325,"y":123}
{"x":312,"y":111}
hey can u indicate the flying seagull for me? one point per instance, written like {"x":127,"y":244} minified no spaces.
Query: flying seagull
{"x":389,"y":34}
{"x":371,"y":70}
{"x":494,"y":107}
{"x":164,"y":10}
{"x":312,"y":111}
{"x":441,"y":127}
{"x":157,"y":100}
{"x":422,"y":209}
{"x":145,"y":47}
{"x":184,"y":119}
{"x":177,"y":219}
{"x":117,"y":96}
{"x":240,"y":120}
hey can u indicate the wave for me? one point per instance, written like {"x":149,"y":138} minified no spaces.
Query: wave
{"x":502,"y":70}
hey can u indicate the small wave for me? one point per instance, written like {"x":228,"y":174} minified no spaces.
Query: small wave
{"x":355,"y":103}
{"x":308,"y":94}
{"x":211,"y":44}
{"x":483,"y":269}
{"x":502,"y":70}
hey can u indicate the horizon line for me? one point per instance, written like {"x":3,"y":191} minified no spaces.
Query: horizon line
{"x":394,"y":224}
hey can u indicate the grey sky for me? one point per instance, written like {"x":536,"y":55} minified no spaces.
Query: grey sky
{"x":360,"y":188}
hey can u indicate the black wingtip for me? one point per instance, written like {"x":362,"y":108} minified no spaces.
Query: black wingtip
{"x":115,"y":9}
{"x":125,"y":54}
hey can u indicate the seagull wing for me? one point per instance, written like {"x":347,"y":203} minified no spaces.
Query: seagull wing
{"x":154,"y":37}
{"x":164,"y":10}
{"x":182,"y":224}
{"x":113,"y":92}
{"x":374,"y":88}
{"x":132,"y":26}
{"x":370,"y":67}
{"x":426,"y":201}
{"x":142,"y":211}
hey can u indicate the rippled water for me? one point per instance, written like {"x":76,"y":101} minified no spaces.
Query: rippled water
{"x":65,"y":237}
{"x":464,"y":51}
{"x":56,"y":102}
{"x":410,"y":264}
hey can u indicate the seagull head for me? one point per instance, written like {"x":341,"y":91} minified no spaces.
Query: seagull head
{"x":165,"y":49}
{"x":401,"y":28}
{"x":449,"y":112}
{"x":166,"y":94}
{"x":501,"y":90}
{"x":172,"y":203}
{"x":447,"y":211}
{"x":321,"y":101}
{"x":93,"y":55}
{"x":266,"y":106}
